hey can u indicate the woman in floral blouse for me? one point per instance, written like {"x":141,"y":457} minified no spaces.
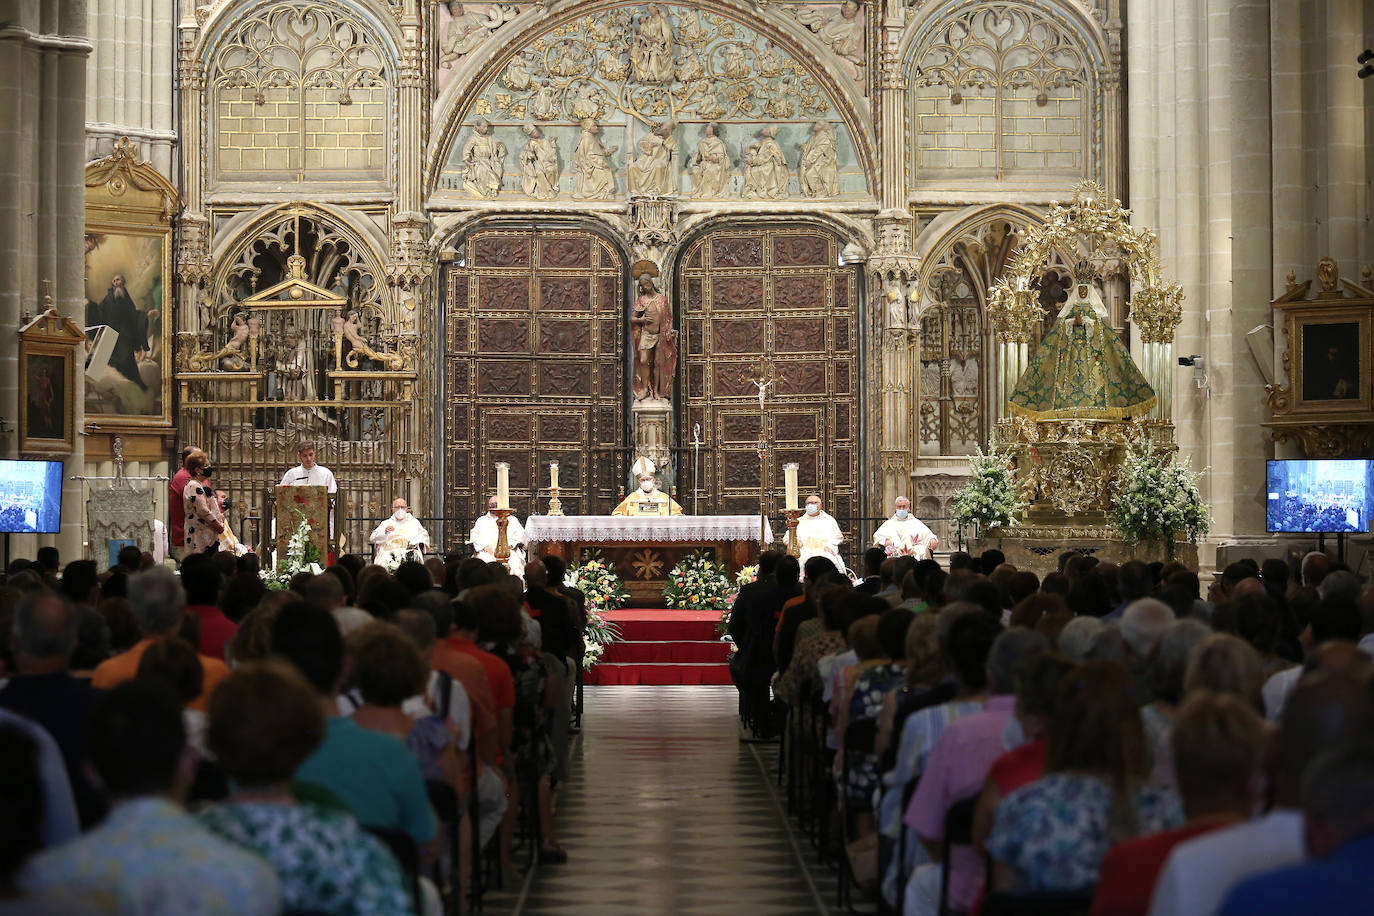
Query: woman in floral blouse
{"x":265,"y":719}
{"x":204,"y":519}
{"x":1053,"y":834}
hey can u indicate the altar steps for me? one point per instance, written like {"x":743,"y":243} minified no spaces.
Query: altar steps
{"x":660,"y":647}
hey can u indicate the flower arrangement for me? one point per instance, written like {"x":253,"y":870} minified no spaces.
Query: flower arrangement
{"x":745,"y":576}
{"x":301,"y":555}
{"x":1157,"y":500}
{"x":603,"y":591}
{"x":595,"y":579}
{"x":700,"y":583}
{"x":989,"y":499}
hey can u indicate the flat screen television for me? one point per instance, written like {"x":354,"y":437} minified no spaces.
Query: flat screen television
{"x":30,"y":496}
{"x":1320,"y":496}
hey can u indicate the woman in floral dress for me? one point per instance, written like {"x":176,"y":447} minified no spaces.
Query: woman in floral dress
{"x":204,"y":518}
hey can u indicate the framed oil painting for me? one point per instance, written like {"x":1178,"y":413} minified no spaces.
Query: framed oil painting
{"x":1332,"y":359}
{"x":47,"y":384}
{"x":128,"y":320}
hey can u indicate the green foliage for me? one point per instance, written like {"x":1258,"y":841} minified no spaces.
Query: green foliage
{"x":1157,"y":500}
{"x":698,"y":582}
{"x":989,"y":499}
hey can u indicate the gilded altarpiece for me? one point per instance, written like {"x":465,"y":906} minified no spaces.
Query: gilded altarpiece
{"x":534,"y":357}
{"x":746,"y":295}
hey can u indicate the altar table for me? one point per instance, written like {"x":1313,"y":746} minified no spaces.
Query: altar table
{"x":643,"y":550}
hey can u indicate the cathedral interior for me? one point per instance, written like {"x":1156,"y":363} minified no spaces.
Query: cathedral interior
{"x":726,"y":235}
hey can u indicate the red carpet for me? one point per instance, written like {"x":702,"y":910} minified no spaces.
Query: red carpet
{"x":661,"y":647}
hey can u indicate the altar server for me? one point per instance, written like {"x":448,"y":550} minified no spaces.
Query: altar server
{"x":818,"y":534}
{"x":904,"y":535}
{"x":308,"y":473}
{"x":398,"y":536}
{"x":648,"y":499}
{"x":484,"y":535}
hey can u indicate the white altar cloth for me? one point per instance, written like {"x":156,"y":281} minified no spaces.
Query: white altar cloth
{"x":645,"y":528}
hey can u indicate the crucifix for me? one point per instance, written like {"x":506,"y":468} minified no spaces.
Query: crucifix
{"x":767,"y":376}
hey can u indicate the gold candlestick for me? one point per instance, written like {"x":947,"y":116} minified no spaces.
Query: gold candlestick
{"x":555,"y":505}
{"x":793,"y":548}
{"x":502,"y":545}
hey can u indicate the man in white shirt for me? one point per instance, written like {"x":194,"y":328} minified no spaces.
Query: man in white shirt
{"x":485,"y":533}
{"x":1326,"y":709}
{"x":308,"y":473}
{"x":398,"y":535}
{"x":904,"y":534}
{"x":818,"y":534}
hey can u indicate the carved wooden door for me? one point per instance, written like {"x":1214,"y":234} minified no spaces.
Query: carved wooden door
{"x":533,"y":372}
{"x":750,"y":294}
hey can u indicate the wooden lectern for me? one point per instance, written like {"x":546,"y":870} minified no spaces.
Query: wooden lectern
{"x":313,"y":501}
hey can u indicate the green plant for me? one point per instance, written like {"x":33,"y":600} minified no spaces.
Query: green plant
{"x":989,"y":499}
{"x":302,"y":555}
{"x":698,"y":582}
{"x":1158,"y":499}
{"x":595,"y":579}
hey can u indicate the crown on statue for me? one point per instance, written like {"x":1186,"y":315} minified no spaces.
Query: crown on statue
{"x":1085,"y":271}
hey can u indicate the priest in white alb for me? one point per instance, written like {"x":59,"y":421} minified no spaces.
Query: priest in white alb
{"x":648,"y":499}
{"x":818,"y":534}
{"x":904,"y":535}
{"x":485,"y":533}
{"x":398,"y":536}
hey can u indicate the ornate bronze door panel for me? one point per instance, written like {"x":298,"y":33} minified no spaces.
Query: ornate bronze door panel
{"x":533,"y":372}
{"x":750,"y":294}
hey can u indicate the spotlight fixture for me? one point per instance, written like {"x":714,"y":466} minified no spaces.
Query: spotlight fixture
{"x":1366,"y":58}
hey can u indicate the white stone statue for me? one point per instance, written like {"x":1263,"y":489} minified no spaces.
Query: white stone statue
{"x":651,"y":175}
{"x":905,"y":535}
{"x":517,"y":76}
{"x":819,"y":166}
{"x":710,"y":165}
{"x":569,"y":62}
{"x":484,"y":162}
{"x":769,"y":60}
{"x":690,"y":67}
{"x":586,"y":101}
{"x":484,"y":535}
{"x":651,"y":52}
{"x":593,"y":177}
{"x":841,"y":30}
{"x":544,"y":105}
{"x":736,"y":64}
{"x":765,"y":168}
{"x":468,"y":28}
{"x":539,"y":165}
{"x":399,"y":537}
{"x":818,"y":534}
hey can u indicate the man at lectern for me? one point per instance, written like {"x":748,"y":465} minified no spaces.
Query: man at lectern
{"x":308,"y":473}
{"x":648,"y":499}
{"x":399,"y":536}
{"x":485,"y":533}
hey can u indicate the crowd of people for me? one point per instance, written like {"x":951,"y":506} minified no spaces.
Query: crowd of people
{"x":1107,"y":739}
{"x":192,"y":742}
{"x":1293,"y":513}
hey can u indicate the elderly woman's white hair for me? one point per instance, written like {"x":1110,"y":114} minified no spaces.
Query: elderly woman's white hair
{"x":1077,"y":637}
{"x":1143,"y":624}
{"x":350,"y":619}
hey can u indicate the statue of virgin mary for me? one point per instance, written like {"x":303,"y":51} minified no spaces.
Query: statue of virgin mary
{"x":1082,"y":370}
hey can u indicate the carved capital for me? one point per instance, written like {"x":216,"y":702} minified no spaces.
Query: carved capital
{"x":409,"y":262}
{"x":193,"y":261}
{"x":652,"y":221}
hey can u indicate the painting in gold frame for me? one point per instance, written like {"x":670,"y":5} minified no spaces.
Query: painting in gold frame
{"x":47,"y":385}
{"x":128,"y":262}
{"x":1331,"y":359}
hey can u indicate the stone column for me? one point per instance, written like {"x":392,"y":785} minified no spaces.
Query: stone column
{"x":129,"y":92}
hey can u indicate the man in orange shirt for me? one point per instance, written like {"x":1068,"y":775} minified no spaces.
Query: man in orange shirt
{"x":157,"y":600}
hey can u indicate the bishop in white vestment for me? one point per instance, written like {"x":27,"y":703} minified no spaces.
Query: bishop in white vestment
{"x":395,"y":537}
{"x":904,"y":535}
{"x":483,"y":540}
{"x":818,"y":534}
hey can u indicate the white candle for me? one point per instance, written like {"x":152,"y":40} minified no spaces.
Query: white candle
{"x":502,"y":485}
{"x":553,"y":475}
{"x":790,"y":476}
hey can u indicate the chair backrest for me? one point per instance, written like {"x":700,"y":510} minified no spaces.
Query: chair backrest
{"x":444,"y":799}
{"x":959,"y":822}
{"x":1051,"y":903}
{"x":407,"y":853}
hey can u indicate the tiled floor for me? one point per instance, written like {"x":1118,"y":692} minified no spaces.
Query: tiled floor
{"x":666,"y":811}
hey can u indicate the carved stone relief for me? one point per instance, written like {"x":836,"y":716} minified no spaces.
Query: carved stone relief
{"x":663,"y":100}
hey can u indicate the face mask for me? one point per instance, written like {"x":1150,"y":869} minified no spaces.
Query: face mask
{"x":399,"y":514}
{"x":902,"y":514}
{"x":812,"y":509}
{"x":646,"y":485}
{"x":206,"y":471}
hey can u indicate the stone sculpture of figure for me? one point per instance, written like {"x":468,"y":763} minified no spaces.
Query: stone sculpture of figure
{"x":651,"y":54}
{"x":544,"y":105}
{"x":651,"y":325}
{"x":593,"y":178}
{"x":770,"y":61}
{"x":353,"y":331}
{"x":765,"y":168}
{"x":690,"y":67}
{"x":295,"y":368}
{"x":819,"y":166}
{"x":736,"y":64}
{"x":710,"y":165}
{"x":484,"y":161}
{"x":568,"y":62}
{"x":652,"y":173}
{"x":239,"y":331}
{"x":468,"y":29}
{"x":842,"y":31}
{"x":586,"y":102}
{"x":517,"y":75}
{"x":693,"y":30}
{"x":539,"y":165}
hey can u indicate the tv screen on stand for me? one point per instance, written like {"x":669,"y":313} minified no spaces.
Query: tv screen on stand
{"x":30,"y":497}
{"x":1319,"y":496}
